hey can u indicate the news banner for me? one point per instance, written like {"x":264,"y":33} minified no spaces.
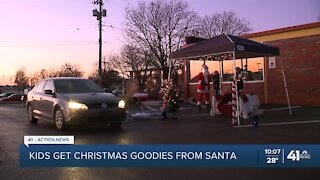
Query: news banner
{"x":60,"y":151}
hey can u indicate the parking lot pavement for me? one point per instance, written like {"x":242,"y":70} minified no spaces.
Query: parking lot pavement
{"x":191,"y":127}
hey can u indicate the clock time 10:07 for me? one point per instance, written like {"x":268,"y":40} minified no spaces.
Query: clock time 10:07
{"x":272,"y":151}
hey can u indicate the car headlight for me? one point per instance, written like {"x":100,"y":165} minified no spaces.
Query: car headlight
{"x":77,"y":106}
{"x":121,"y":104}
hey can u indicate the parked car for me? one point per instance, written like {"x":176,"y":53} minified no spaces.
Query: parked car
{"x":67,"y":101}
{"x":107,"y":90}
{"x":4,"y":95}
{"x":118,"y":91}
{"x":14,"y":98}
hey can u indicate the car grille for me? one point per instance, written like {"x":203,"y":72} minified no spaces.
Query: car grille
{"x":99,"y":105}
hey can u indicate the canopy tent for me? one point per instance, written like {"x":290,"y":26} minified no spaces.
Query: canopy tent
{"x":222,"y":44}
{"x":226,"y":47}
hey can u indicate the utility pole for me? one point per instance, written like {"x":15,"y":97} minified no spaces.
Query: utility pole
{"x":99,"y":14}
{"x":104,"y":65}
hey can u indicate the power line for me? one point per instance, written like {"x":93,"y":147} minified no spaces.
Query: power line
{"x":51,"y":26}
{"x":17,"y":41}
{"x":113,"y":27}
{"x":61,"y":44}
{"x":44,"y":45}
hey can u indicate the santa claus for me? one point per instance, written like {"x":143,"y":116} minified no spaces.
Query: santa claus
{"x":203,"y":86}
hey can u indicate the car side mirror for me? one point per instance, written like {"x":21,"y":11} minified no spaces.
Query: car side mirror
{"x":48,"y":92}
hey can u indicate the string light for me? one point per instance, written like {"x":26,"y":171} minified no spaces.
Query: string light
{"x":170,"y":96}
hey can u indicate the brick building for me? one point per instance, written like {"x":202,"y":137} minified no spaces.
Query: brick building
{"x":300,"y":57}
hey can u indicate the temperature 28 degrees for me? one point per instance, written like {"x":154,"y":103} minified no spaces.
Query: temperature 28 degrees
{"x":272,"y":160}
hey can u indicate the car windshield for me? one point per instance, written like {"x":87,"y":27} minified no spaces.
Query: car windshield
{"x":76,"y":86}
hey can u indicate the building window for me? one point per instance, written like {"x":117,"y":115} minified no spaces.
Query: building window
{"x":196,"y":66}
{"x":253,"y":66}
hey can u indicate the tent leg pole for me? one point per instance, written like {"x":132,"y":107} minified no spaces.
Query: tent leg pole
{"x":220,"y":76}
{"x":241,"y":63}
{"x":235,"y":99}
{"x":234,"y":102}
{"x":286,"y":88}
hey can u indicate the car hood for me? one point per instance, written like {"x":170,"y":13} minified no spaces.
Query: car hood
{"x":89,"y":97}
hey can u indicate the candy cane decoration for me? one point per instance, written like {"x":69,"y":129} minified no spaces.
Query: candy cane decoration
{"x":234,"y":101}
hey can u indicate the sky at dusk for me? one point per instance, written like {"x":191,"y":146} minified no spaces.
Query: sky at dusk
{"x":37,"y":34}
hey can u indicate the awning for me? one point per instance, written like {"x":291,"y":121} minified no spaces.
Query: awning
{"x":224,"y":44}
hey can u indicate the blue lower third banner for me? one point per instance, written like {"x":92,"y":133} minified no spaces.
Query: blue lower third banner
{"x":170,"y":156}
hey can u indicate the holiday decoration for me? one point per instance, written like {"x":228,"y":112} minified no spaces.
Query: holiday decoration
{"x":170,"y":98}
{"x":237,"y":87}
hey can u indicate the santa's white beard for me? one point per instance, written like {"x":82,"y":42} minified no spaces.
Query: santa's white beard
{"x":205,"y":72}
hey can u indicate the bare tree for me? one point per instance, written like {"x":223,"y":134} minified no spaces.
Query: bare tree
{"x":160,"y":27}
{"x":110,"y":73}
{"x":42,"y":74}
{"x":21,"y":78}
{"x":223,"y":23}
{"x":134,"y":59}
{"x":69,"y":70}
{"x":34,"y":78}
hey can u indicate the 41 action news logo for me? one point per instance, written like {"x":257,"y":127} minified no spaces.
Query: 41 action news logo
{"x":297,"y":155}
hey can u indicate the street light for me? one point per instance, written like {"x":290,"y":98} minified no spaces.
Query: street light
{"x":99,"y":14}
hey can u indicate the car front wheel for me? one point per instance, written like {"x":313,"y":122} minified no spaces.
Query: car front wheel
{"x":59,"y":120}
{"x":31,"y":117}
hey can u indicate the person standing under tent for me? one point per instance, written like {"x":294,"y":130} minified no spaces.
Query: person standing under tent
{"x":240,"y":78}
{"x":203,"y":86}
{"x":216,"y":82}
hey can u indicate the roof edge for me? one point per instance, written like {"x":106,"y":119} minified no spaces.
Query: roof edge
{"x":281,"y":30}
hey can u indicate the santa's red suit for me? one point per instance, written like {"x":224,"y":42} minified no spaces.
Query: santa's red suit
{"x":203,"y":86}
